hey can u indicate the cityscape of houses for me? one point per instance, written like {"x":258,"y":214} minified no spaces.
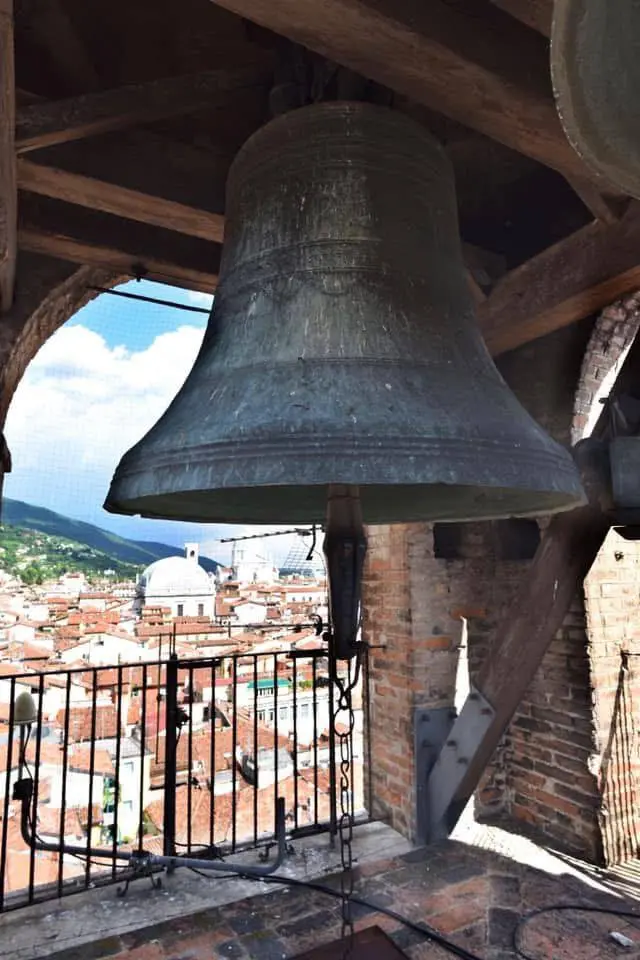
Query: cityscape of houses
{"x":254,"y":709}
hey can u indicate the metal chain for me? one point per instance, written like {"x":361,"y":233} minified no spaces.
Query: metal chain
{"x":344,"y":705}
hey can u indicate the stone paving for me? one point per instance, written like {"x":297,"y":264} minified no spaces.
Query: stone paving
{"x":473,"y":895}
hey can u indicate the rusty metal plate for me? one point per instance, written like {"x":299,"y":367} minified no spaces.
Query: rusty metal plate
{"x":369,"y":944}
{"x":596,"y":79}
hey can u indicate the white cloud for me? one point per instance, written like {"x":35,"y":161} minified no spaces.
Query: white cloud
{"x":81,"y":405}
{"x":197,"y":299}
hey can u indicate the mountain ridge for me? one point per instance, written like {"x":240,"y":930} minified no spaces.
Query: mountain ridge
{"x":17,"y":513}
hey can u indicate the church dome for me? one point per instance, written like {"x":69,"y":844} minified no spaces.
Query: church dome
{"x":175,"y":576}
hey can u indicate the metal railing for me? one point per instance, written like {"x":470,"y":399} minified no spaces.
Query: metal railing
{"x":126,"y":768}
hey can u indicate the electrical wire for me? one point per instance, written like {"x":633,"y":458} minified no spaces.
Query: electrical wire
{"x":427,"y":932}
{"x":556,"y":908}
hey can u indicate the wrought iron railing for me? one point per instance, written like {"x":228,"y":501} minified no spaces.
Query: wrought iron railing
{"x":122,"y":767}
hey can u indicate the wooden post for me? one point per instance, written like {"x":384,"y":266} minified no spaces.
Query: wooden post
{"x":8,"y":190}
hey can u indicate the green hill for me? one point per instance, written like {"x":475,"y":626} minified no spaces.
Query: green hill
{"x":138,"y":552}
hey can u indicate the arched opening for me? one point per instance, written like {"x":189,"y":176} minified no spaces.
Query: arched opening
{"x":612,"y":610}
{"x":97,"y":372}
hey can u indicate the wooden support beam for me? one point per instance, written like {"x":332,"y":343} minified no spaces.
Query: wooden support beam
{"x":54,"y":35}
{"x":120,"y":201}
{"x":568,"y":548}
{"x":486,"y":71}
{"x":101,"y":255}
{"x":570,"y":280}
{"x":50,"y":122}
{"x":536,"y":14}
{"x":8,"y":190}
{"x":577,"y":276}
{"x":607,"y":209}
{"x":88,"y":237}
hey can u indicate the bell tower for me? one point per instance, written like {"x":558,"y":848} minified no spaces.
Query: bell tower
{"x":192,"y":551}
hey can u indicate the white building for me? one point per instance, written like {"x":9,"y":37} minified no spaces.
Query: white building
{"x":179,"y":583}
{"x":249,"y":611}
{"x":252,"y":565}
{"x":105,"y":647}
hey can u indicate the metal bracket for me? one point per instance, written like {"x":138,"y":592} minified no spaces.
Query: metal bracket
{"x":431,"y":729}
{"x":448,"y":771}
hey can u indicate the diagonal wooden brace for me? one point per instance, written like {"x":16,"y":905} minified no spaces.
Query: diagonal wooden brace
{"x":566,"y":553}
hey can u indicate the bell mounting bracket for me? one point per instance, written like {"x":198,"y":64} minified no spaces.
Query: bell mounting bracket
{"x":345,"y":547}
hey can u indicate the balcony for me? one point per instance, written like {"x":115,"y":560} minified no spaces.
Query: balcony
{"x":160,"y":774}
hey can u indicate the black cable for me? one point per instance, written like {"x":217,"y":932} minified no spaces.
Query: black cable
{"x":156,"y":300}
{"x":208,"y":876}
{"x":428,"y":932}
{"x":556,"y":908}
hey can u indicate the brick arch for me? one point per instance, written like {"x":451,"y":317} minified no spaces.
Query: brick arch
{"x":613,"y":333}
{"x":611,"y":597}
{"x":48,"y":293}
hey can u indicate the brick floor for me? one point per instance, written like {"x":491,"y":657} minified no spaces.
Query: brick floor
{"x":474,"y":896}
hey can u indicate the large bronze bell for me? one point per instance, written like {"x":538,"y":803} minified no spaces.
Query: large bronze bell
{"x":342,"y":348}
{"x":596,"y":78}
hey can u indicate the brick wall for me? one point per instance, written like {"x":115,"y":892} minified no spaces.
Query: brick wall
{"x":542,"y":772}
{"x":612,"y":592}
{"x":550,"y":743}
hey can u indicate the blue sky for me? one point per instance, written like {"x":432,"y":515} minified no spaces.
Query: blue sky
{"x":136,"y":324}
{"x":93,"y":390}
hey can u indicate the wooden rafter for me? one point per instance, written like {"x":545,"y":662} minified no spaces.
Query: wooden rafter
{"x":98,"y":254}
{"x":88,"y":237}
{"x":52,"y":31}
{"x":536,"y":14}
{"x":8,"y":194}
{"x":50,"y":122}
{"x":563,"y":284}
{"x":158,"y":211}
{"x":570,"y":280}
{"x":120,"y":201}
{"x":490,"y":73}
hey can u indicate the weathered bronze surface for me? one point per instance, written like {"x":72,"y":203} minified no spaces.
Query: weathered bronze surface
{"x":596,"y":77}
{"x":370,"y":944}
{"x":342,"y":348}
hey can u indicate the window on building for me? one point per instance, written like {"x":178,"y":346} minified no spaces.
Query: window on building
{"x":284,"y":713}
{"x":305,"y":709}
{"x":201,"y":609}
{"x":181,"y":609}
{"x":270,"y":716}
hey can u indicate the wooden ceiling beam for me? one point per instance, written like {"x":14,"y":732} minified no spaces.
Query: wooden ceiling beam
{"x":95,"y":254}
{"x":8,"y":189}
{"x":52,"y":32}
{"x":46,"y":123}
{"x":488,"y":72}
{"x":536,"y":14}
{"x":158,"y":211}
{"x":89,"y":237}
{"x":120,"y":201}
{"x":570,"y":280}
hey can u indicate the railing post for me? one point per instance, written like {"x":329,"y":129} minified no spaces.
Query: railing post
{"x":333,"y":780}
{"x":170,"y":756}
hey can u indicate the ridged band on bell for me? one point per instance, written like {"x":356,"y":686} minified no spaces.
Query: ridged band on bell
{"x":342,"y":348}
